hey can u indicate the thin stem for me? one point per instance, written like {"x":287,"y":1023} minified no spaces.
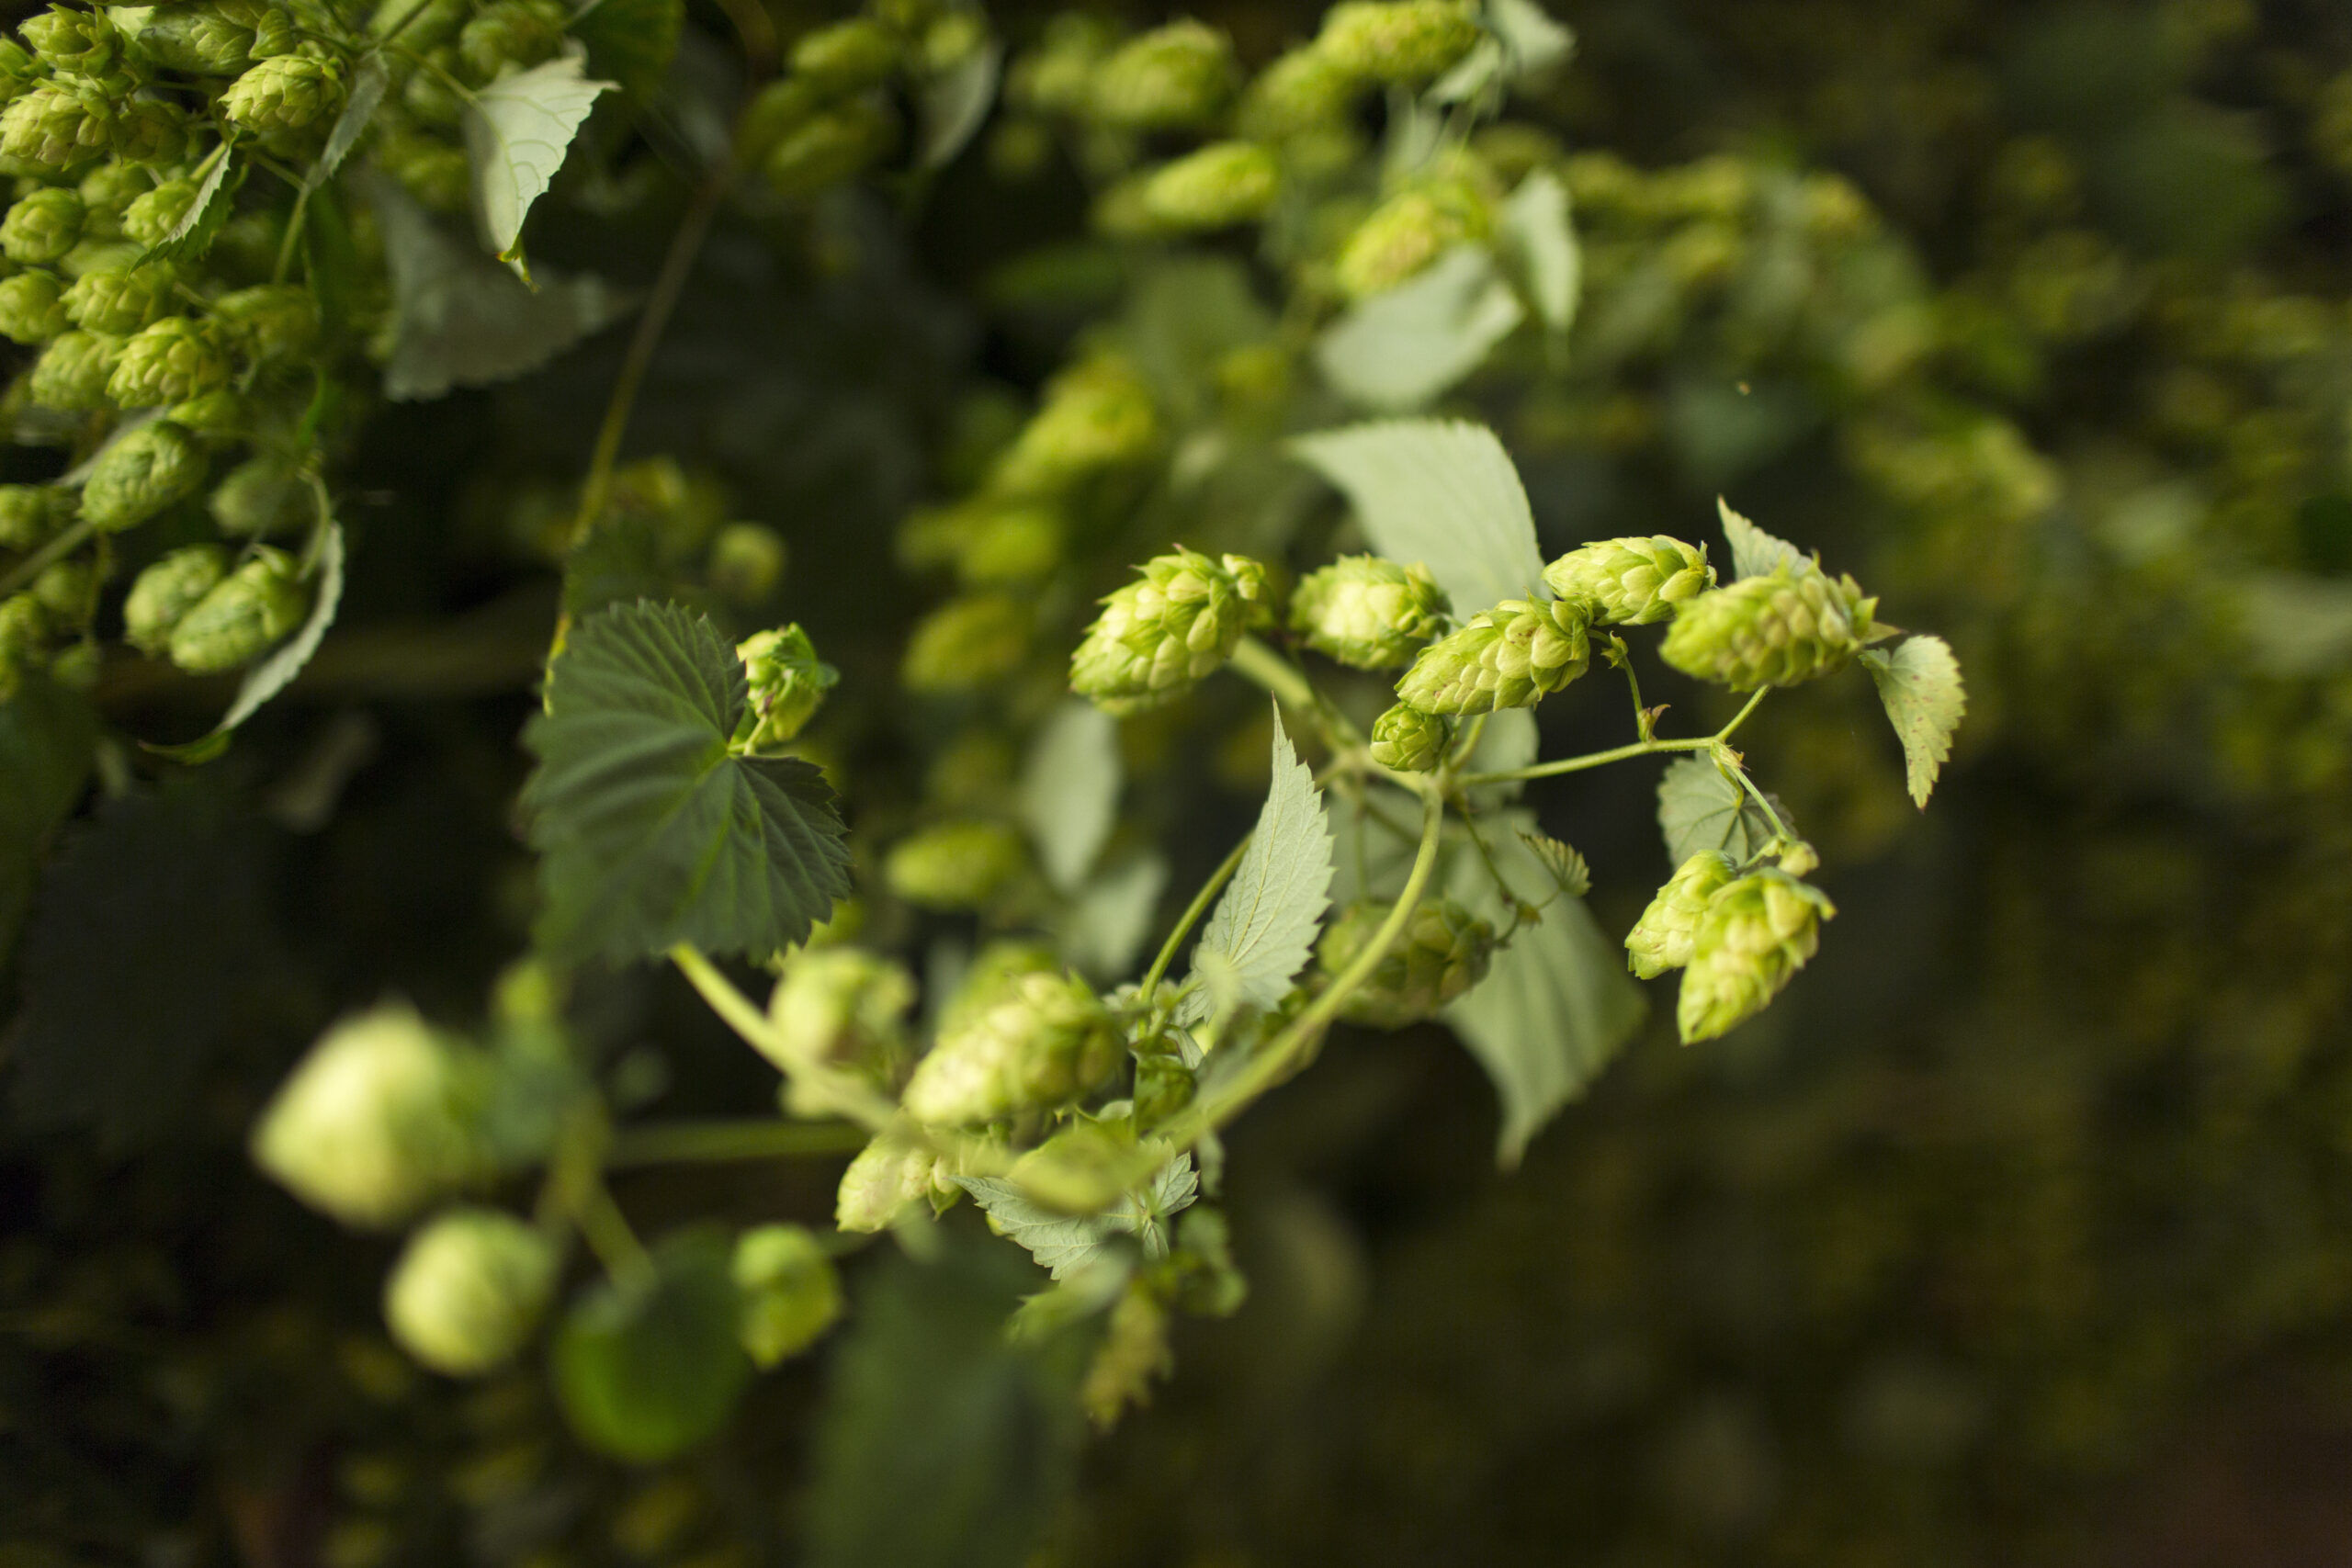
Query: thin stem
{"x":1764,"y":803}
{"x":699,"y":1142}
{"x":607,"y":1231}
{"x":1253,"y":661}
{"x":1192,"y":912}
{"x":1741,"y":717}
{"x":57,"y":549}
{"x":1590,"y":759}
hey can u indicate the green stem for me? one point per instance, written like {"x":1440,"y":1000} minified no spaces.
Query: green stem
{"x":608,"y":1232}
{"x":701,"y":1143}
{"x":1763,"y":803}
{"x":839,"y":1090}
{"x":1253,"y":661}
{"x":1192,"y":912}
{"x":1590,"y":759}
{"x":57,"y":549}
{"x":1741,"y":717}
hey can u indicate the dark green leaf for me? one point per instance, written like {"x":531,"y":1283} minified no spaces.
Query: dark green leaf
{"x":368,"y":84}
{"x":631,"y":41}
{"x":46,"y":733}
{"x":650,"y":1365}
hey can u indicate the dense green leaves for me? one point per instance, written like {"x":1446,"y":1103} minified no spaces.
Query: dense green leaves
{"x":649,"y":1364}
{"x":1263,"y":926}
{"x":517,"y":130}
{"x":1702,"y":807}
{"x":1070,"y":790}
{"x":1919,"y":682}
{"x":46,"y":733}
{"x":652,"y":831}
{"x":1397,"y":351}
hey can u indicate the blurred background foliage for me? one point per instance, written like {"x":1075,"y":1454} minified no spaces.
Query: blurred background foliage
{"x":2017,"y":1234}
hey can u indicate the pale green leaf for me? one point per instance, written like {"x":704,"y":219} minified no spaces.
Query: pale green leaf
{"x":200,"y":224}
{"x":1919,"y":682}
{"x":1070,"y":790}
{"x":517,"y":130}
{"x":955,"y":102}
{"x":2294,"y":625}
{"x":1530,"y":35}
{"x":1440,"y":494}
{"x":368,"y":84}
{"x":1106,"y":925}
{"x":1510,"y":741}
{"x":1755,"y":553}
{"x":1398,"y":350}
{"x":1065,"y":1244}
{"x":1264,"y":925}
{"x":652,"y":831}
{"x":649,"y":1364}
{"x":1701,"y":807}
{"x":1538,"y":237}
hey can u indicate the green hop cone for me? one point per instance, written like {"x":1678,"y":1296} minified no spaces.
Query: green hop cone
{"x":841,"y":1006}
{"x":59,"y":122}
{"x":253,"y":610}
{"x":1506,"y":658}
{"x":469,"y":1289}
{"x":1368,"y":612}
{"x":72,"y":373}
{"x":200,"y":40}
{"x":510,"y":32}
{"x":955,"y":865}
{"x":1181,"y":619}
{"x":1661,"y":939}
{"x":746,"y":563}
{"x":261,"y":496}
{"x":1776,"y":630}
{"x":1407,"y":41}
{"x":150,"y":132}
{"x":1301,"y":93}
{"x":139,"y":474}
{"x":164,"y":594}
{"x":42,"y":227}
{"x":269,"y":321}
{"x":273,"y":32}
{"x":1443,"y":951}
{"x":1097,"y":414}
{"x":1013,"y":543}
{"x":24,"y":640}
{"x":848,"y":57}
{"x":219,"y":415}
{"x":107,"y":192}
{"x":1756,"y":935}
{"x":832,"y":147}
{"x":1632,"y":581}
{"x":167,"y":362}
{"x":31,"y":515}
{"x":152,"y":215}
{"x":992,"y":978}
{"x":967,"y":642}
{"x":68,"y":590}
{"x":1172,"y":78}
{"x":786,"y":681}
{"x":290,"y":92}
{"x":1404,"y":234}
{"x":32,"y":308}
{"x":81,"y":42}
{"x":889,"y":1176}
{"x":1047,"y":1043}
{"x":1214,"y":188}
{"x":121,"y":299}
{"x":1410,"y":740}
{"x":375,"y":1122}
{"x":789,"y":1291}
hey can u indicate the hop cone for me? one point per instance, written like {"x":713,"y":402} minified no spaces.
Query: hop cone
{"x":1756,"y":935}
{"x":1047,"y":1043}
{"x":967,"y":642}
{"x":1661,"y":939}
{"x":888,"y":1176}
{"x":152,"y":215}
{"x":840,"y":1006}
{"x":1171,"y":77}
{"x":43,"y":226}
{"x":73,"y":371}
{"x":1096,"y":415}
{"x":167,"y":362}
{"x":992,"y":975}
{"x":32,"y":308}
{"x":1407,"y":41}
{"x":29,"y":514}
{"x":149,"y":131}
{"x":1301,"y":92}
{"x":269,"y":321}
{"x":287,"y":93}
{"x":59,"y":122}
{"x":1367,"y":613}
{"x":1218,"y":186}
{"x":261,"y":496}
{"x":847,"y":56}
{"x":787,"y":680}
{"x":1442,"y":953}
{"x":141,"y":474}
{"x":509,"y":31}
{"x":470,"y":1289}
{"x":1179,"y":621}
{"x":1409,"y":741}
{"x":166,"y":592}
{"x":250,"y":613}
{"x":1777,"y":630}
{"x":81,"y":42}
{"x":788,"y":1288}
{"x":955,"y":865}
{"x":1506,"y":658}
{"x":121,"y":299}
{"x":1409,"y":230}
{"x":830,"y":148}
{"x":1630,"y":581}
{"x":200,"y":40}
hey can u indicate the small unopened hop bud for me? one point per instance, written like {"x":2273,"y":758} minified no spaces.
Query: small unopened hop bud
{"x":1631,"y":582}
{"x":1776,"y":630}
{"x":1397,"y":40}
{"x":1172,"y":76}
{"x":468,"y":1290}
{"x":164,"y":594}
{"x":1180,"y":620}
{"x":1410,"y":740}
{"x":955,"y":865}
{"x":1045,"y":1044}
{"x":1406,"y":232}
{"x":841,"y":1006}
{"x":889,"y":1176}
{"x":250,"y":612}
{"x":42,"y":226}
{"x":1442,"y":953}
{"x":287,"y":92}
{"x":1506,"y":658}
{"x":1218,"y":186}
{"x":786,"y":681}
{"x":1661,"y":939}
{"x":139,"y":474}
{"x":1756,"y":935}
{"x":1367,"y":613}
{"x":789,"y":1291}
{"x":375,"y":1122}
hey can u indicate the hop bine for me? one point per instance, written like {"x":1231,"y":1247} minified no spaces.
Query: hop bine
{"x":1506,"y":658}
{"x":1756,"y":935}
{"x":1630,"y":581}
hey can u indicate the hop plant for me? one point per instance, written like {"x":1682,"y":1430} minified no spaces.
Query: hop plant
{"x":287,"y":92}
{"x":152,"y":215}
{"x":1212,"y":187}
{"x":1405,"y":41}
{"x":1368,"y":612}
{"x":788,"y":680}
{"x":141,"y":474}
{"x":120,"y":299}
{"x":468,"y":1290}
{"x":1172,"y":78}
{"x":1047,"y":1043}
{"x":1776,"y":630}
{"x":842,"y":1006}
{"x":1756,"y":935}
{"x":1630,"y":581}
{"x":72,"y":373}
{"x":1410,"y":740}
{"x":967,"y":642}
{"x":166,"y":591}
{"x":789,"y":1291}
{"x":200,"y":40}
{"x":831,"y":147}
{"x":1506,"y":658}
{"x":1164,"y":1086}
{"x":1404,"y":234}
{"x":1442,"y":953}
{"x":32,"y":308}
{"x":252,"y":611}
{"x":1156,"y":637}
{"x":955,"y":865}
{"x":259,"y":497}
{"x":68,"y":590}
{"x":42,"y":227}
{"x":376,"y":1122}
{"x":81,"y":42}
{"x":1661,"y":939}
{"x":59,"y":122}
{"x":269,"y":321}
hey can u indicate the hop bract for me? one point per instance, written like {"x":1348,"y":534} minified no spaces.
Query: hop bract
{"x":42,"y":226}
{"x":1410,"y":740}
{"x":1397,"y":40}
{"x":1177,"y":623}
{"x":32,"y":308}
{"x":121,"y":299}
{"x":1409,"y":230}
{"x":1776,"y":630}
{"x":1661,"y":939}
{"x":786,"y":681}
{"x":1045,"y":1044}
{"x":167,"y":362}
{"x":790,"y":1292}
{"x":29,"y":514}
{"x":1096,"y":415}
{"x":1506,"y":658}
{"x":841,"y":1006}
{"x":468,"y":1290}
{"x":253,"y":610}
{"x":1630,"y":581}
{"x":59,"y":122}
{"x":1220,"y":185}
{"x":72,"y":374}
{"x":1367,"y":612}
{"x":1756,"y":935}
{"x":1442,"y":953}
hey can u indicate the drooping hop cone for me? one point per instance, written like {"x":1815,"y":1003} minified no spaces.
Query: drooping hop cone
{"x":1367,"y":613}
{"x":1778,"y":630}
{"x":469,"y":1289}
{"x":1631,"y":582}
{"x":1410,"y":740}
{"x":1506,"y":658}
{"x":1443,"y":951}
{"x":1049,"y":1041}
{"x":1756,"y":935}
{"x":1180,"y":620}
{"x":1661,"y":939}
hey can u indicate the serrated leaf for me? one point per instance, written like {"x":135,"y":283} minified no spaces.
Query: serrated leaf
{"x":1264,"y":925}
{"x":647,"y":1365}
{"x":1538,"y":235}
{"x":460,"y":319}
{"x":1755,"y":553}
{"x":1070,"y":790}
{"x":1699,"y":808}
{"x":632,"y":41}
{"x":1567,"y":869}
{"x":1065,"y":1244}
{"x":1109,"y":921}
{"x":46,"y":733}
{"x":274,"y":674}
{"x":200,"y":224}
{"x":1557,"y":1004}
{"x":955,"y":102}
{"x":518,"y":130}
{"x":652,"y":831}
{"x":1441,"y":493}
{"x":1398,"y":350}
{"x":368,"y":84}
{"x":1919,"y":682}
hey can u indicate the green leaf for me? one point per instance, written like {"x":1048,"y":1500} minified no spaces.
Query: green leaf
{"x":1919,"y":682}
{"x":955,"y":102}
{"x":1107,"y":924}
{"x":1264,"y":924}
{"x":1567,"y":869}
{"x":275,"y":673}
{"x":200,"y":224}
{"x":368,"y":84}
{"x":1398,"y":350}
{"x":46,"y":733}
{"x":517,"y":130}
{"x":1441,"y":493}
{"x":1538,"y":236}
{"x":1530,"y":35}
{"x":1070,"y":790}
{"x":944,"y":1443}
{"x":1755,"y":553}
{"x":632,"y":41}
{"x":649,"y":1364}
{"x":1701,"y":807}
{"x":1063,"y":1243}
{"x":460,"y":319}
{"x":652,"y":831}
